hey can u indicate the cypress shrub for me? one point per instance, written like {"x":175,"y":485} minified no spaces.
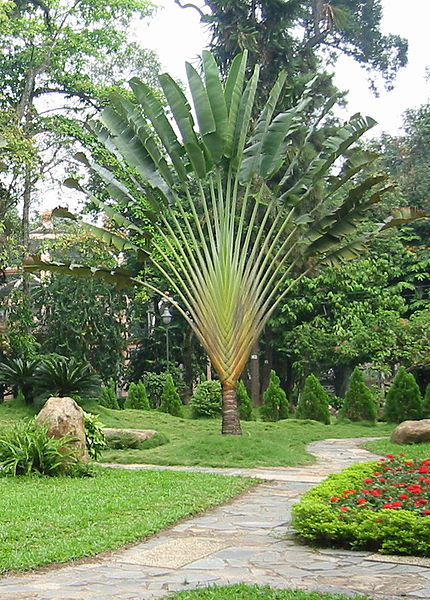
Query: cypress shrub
{"x":403,"y":401}
{"x":170,"y":400}
{"x":108,"y":395}
{"x":154,"y":386}
{"x":137,"y":397}
{"x":359,"y":404}
{"x":275,"y":403}
{"x":243,"y":402}
{"x":206,"y":400}
{"x":426,"y":402}
{"x":313,"y":402}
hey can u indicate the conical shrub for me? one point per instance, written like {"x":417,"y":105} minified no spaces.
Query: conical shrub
{"x":313,"y":402}
{"x":137,"y":397}
{"x":170,"y":400}
{"x":108,"y":395}
{"x":244,"y":402}
{"x":359,"y":404}
{"x":403,"y":401}
{"x":426,"y":402}
{"x":275,"y":403}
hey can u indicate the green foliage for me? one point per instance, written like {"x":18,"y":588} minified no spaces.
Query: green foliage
{"x":26,"y":449}
{"x":170,"y":400}
{"x":359,"y":404}
{"x":119,"y":440}
{"x":403,"y":401}
{"x":393,"y":531}
{"x":244,"y":402}
{"x":108,"y":396}
{"x":158,"y":439}
{"x":154,"y":385}
{"x":20,"y":374}
{"x":243,"y":591}
{"x":426,"y":402}
{"x":275,"y":403}
{"x":137,"y":397}
{"x":94,"y":435}
{"x":62,"y":376}
{"x":313,"y":402}
{"x":20,"y":341}
{"x":206,"y":400}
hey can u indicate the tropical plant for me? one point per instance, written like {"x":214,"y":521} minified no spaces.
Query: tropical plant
{"x":94,"y":435}
{"x":275,"y":403}
{"x":206,"y":400}
{"x":313,"y":402}
{"x":20,"y":375}
{"x":237,"y":205}
{"x":359,"y":403}
{"x":137,"y":397}
{"x":403,"y":400}
{"x":244,"y":402}
{"x":26,"y":448}
{"x":170,"y":400}
{"x":62,"y":376}
{"x":108,"y":396}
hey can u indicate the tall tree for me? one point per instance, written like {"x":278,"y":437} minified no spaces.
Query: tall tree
{"x":226,"y":271}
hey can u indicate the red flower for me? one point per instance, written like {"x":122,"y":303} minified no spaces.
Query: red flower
{"x":368,"y":480}
{"x":409,"y":462}
{"x":390,"y":455}
{"x":423,"y":469}
{"x":334,"y":499}
{"x":403,"y":496}
{"x":381,"y":479}
{"x":375,"y":493}
{"x":361,"y":501}
{"x":401,"y":454}
{"x":344,"y":508}
{"x":387,"y":506}
{"x":426,"y":511}
{"x":376,"y":473}
{"x":396,"y":504}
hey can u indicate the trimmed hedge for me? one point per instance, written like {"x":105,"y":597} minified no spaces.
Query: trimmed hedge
{"x":388,"y":531}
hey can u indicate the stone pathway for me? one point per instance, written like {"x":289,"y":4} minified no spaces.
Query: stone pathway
{"x":248,"y":540}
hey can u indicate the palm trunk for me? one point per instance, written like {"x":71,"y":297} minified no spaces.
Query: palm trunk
{"x":230,"y":412}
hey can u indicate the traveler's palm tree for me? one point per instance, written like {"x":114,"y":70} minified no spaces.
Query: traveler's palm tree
{"x":229,"y":241}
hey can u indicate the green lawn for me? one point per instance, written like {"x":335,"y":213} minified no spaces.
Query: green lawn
{"x":199,"y":442}
{"x":254,"y":592}
{"x":384,"y":446}
{"x":47,"y":520}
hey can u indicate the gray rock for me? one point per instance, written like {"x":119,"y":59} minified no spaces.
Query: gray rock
{"x":64,"y":417}
{"x":411,"y":432}
{"x":141,"y":434}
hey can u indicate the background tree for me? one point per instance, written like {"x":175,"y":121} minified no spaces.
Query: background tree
{"x":359,"y":403}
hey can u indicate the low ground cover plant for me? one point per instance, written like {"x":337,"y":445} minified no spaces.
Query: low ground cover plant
{"x":381,"y":506}
{"x":243,"y":591}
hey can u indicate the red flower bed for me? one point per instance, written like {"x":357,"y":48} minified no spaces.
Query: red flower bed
{"x":395,"y":484}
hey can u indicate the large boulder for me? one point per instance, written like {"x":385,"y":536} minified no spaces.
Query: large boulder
{"x":140,"y":434}
{"x":412,"y":432}
{"x":64,"y":417}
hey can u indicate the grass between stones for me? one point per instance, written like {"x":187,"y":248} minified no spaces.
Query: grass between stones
{"x":255,"y":592}
{"x":50,"y":520}
{"x":412,"y":451}
{"x":199,"y":442}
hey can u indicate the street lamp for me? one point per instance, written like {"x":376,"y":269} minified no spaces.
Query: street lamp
{"x":166,"y":317}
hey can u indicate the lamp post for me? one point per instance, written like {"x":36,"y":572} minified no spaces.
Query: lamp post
{"x":166,"y":317}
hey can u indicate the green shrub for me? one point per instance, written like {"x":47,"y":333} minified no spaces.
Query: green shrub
{"x":206,"y":400}
{"x":275,"y":403}
{"x":27,"y":449}
{"x":403,"y":401}
{"x":19,"y":374}
{"x":359,"y":403}
{"x":137,"y":397}
{"x":244,"y":402}
{"x":170,"y":400}
{"x":426,"y":402}
{"x":121,"y":440}
{"x":313,"y":402}
{"x":108,"y":395}
{"x":94,"y":435}
{"x":158,"y":439}
{"x":154,"y":385}
{"x":386,"y":526}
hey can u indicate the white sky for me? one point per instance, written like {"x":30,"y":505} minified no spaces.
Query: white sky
{"x":177,"y":35}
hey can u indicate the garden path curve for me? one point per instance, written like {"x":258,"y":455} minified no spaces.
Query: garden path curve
{"x":247,"y":540}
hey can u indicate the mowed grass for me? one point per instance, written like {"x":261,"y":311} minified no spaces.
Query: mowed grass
{"x":256,"y":592}
{"x":199,"y":442}
{"x":411,"y":451}
{"x":47,"y":520}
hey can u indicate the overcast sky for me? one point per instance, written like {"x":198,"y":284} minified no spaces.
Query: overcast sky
{"x":177,"y":35}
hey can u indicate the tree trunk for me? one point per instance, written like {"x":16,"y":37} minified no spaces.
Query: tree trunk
{"x":255,"y":375}
{"x":230,"y":412}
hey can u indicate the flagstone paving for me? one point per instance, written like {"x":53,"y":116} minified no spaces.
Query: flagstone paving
{"x":248,"y":540}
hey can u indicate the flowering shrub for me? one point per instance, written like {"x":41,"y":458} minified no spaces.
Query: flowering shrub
{"x":376,"y":506}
